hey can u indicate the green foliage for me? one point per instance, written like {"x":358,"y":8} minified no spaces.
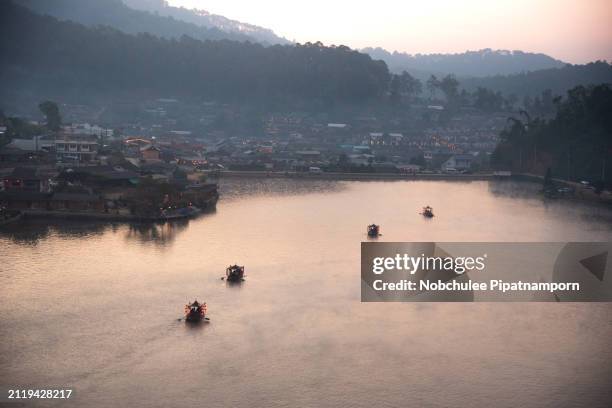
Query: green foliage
{"x":18,"y":128}
{"x":575,"y":144}
{"x":52,"y":114}
{"x":56,"y":57}
{"x":533,"y":82}
{"x":116,"y":14}
{"x":432,"y":85}
{"x":481,"y":63}
{"x":404,"y":86}
{"x":487,"y":100}
{"x":449,"y":87}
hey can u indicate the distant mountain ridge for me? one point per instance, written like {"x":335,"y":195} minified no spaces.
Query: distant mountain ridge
{"x":481,"y":63}
{"x":167,"y":22}
{"x":205,"y":19}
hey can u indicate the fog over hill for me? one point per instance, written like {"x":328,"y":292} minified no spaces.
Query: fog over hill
{"x":153,"y":17}
{"x":205,"y":19}
{"x":480,"y":63}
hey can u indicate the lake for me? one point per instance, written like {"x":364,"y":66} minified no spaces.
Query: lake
{"x":95,"y":307}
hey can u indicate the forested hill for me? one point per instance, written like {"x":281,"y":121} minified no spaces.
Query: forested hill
{"x":558,"y":80}
{"x":44,"y":55}
{"x":206,"y":19}
{"x":479,"y":63}
{"x":116,"y":14}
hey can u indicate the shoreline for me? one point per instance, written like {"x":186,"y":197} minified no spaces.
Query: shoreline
{"x":352,"y":176}
{"x":579,"y":192}
{"x":106,"y":217}
{"x":76,"y":215}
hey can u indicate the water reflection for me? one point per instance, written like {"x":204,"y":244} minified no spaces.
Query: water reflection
{"x":234,"y":284}
{"x":31,"y":232}
{"x":156,"y":233}
{"x":514,"y":189}
{"x":233,"y":188}
{"x":195,"y":325}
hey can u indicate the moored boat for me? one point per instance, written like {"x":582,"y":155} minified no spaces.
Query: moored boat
{"x":373,"y":230}
{"x":196,"y":311}
{"x":234,"y":273}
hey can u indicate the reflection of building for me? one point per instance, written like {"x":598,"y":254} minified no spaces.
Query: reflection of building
{"x":76,"y":150}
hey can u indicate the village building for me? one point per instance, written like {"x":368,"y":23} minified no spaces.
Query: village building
{"x":76,"y":149}
{"x":458,"y":162}
{"x":150,"y":153}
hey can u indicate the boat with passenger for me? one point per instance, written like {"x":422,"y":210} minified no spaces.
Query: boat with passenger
{"x":373,"y":230}
{"x":195,"y":312}
{"x":234,"y":273}
{"x":427,"y":212}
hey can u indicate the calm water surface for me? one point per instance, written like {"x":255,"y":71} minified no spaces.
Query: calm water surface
{"x":94,"y":307}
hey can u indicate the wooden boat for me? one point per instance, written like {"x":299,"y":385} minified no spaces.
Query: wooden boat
{"x":373,"y":230}
{"x":234,"y":273}
{"x":428,"y":212}
{"x":195,"y":312}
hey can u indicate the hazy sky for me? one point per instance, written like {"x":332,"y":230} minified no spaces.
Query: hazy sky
{"x":575,"y":31}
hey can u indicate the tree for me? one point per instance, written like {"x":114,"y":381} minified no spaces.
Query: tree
{"x":395,"y":90}
{"x":432,"y":85}
{"x":52,"y":115}
{"x":410,"y":85}
{"x":575,"y":143}
{"x":449,"y":87}
{"x":404,"y":85}
{"x":487,"y":100}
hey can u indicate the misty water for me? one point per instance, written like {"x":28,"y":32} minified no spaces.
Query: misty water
{"x":95,"y":307}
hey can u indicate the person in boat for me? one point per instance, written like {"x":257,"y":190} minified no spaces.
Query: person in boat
{"x":428,"y":211}
{"x":234,"y":273}
{"x":195,"y":311}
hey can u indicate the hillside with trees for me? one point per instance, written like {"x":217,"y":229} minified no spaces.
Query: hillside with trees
{"x":479,"y":63}
{"x":576,"y":144}
{"x":116,"y":14}
{"x":56,"y":57}
{"x":205,"y":19}
{"x":558,"y":80}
